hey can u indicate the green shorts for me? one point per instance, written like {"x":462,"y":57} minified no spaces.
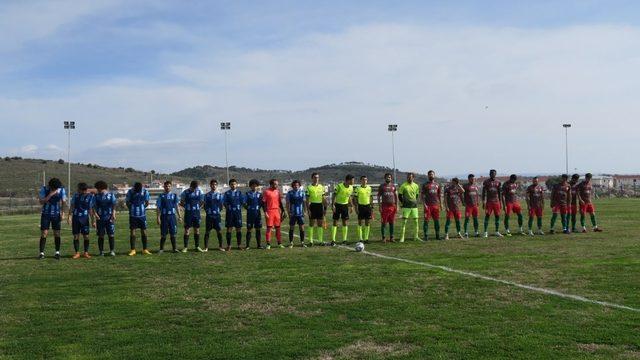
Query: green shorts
{"x":410,"y":213}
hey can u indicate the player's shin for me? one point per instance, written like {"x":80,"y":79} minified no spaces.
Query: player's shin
{"x":458,"y":225}
{"x":279,"y":235}
{"x":582,"y":220}
{"x":206,"y":239}
{"x":554,"y":217}
{"x":530,"y":222}
{"x":144,"y":241}
{"x":486,"y":223}
{"x":268,"y":235}
{"x":86,"y":244}
{"x":436,"y":227}
{"x":593,"y":220}
{"x":476,"y":224}
{"x":497,"y":223}
{"x":447,"y":223}
{"x":163,"y":240}
{"x":196,"y":239}
{"x":43,"y":242}
{"x":520,"y":221}
{"x":258,"y":237}
{"x":238,"y":237}
{"x":425,"y":229}
{"x":466,"y":225}
{"x":345,"y":232}
{"x":174,"y":243}
{"x":367,"y":230}
{"x":311,"y":228}
{"x":334,"y":232}
{"x":76,"y":244}
{"x":185,"y":240}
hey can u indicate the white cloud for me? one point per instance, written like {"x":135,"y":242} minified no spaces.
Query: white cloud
{"x":28,"y":149}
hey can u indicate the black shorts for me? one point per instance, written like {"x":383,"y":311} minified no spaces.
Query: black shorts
{"x":342,"y":212}
{"x":316,"y":211}
{"x":364,"y":212}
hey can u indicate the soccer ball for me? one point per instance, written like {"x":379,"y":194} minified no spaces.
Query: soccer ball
{"x":359,"y":247}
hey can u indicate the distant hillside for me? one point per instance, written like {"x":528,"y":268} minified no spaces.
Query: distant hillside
{"x":23,"y":177}
{"x":329,"y":173}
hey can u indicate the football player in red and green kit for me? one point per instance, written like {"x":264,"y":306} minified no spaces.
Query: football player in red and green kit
{"x":471,"y":201}
{"x":586,"y":206}
{"x":432,"y":203}
{"x":388,"y":202}
{"x":491,"y":201}
{"x":560,"y":200}
{"x":511,"y":203}
{"x":453,"y":194}
{"x":573,"y":182}
{"x":535,"y":204}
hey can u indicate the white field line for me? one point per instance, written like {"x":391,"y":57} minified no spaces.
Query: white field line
{"x":500,"y":281}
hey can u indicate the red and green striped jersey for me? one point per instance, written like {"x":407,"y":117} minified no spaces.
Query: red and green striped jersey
{"x":431,"y":193}
{"x":535,"y":195}
{"x":491,"y":191}
{"x":510,"y":189}
{"x":471,"y":195}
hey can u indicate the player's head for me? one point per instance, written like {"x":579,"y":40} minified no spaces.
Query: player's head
{"x":410,"y":177}
{"x":137,"y":187}
{"x":295,"y":184}
{"x":253,"y":184}
{"x":167,"y":186}
{"x":194,"y":184}
{"x":588,"y":177}
{"x":214,"y":184}
{"x":82,"y":187}
{"x":492,"y":174}
{"x":363,"y":180}
{"x":564,"y":177}
{"x":55,"y":184}
{"x":471,"y":178}
{"x":388,"y":178}
{"x":315,"y":178}
{"x":513,"y":177}
{"x":273,"y":183}
{"x":534,"y":181}
{"x":455,"y":181}
{"x":349,"y":179}
{"x":233,"y":184}
{"x":431,"y":175}
{"x":100,"y":185}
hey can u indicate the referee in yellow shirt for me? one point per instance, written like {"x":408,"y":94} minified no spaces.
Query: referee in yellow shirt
{"x":342,"y":206}
{"x":364,"y":200}
{"x":316,"y":199}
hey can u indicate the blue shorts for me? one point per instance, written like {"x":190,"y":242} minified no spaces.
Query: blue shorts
{"x":168,"y":225}
{"x":105,"y":226}
{"x":296,"y":219}
{"x":254,"y":219}
{"x":80,"y":225}
{"x":192,"y":219}
{"x":233,"y":219}
{"x":138,"y":223}
{"x":213,"y":222}
{"x":52,"y":221}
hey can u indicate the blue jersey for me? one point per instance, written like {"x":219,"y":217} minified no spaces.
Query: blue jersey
{"x":53,"y":206}
{"x":296,"y":199}
{"x":191,"y":199}
{"x":82,"y":203}
{"x":233,"y":200}
{"x":104,"y":205}
{"x":213,"y":202}
{"x":167,"y":203}
{"x":253,"y":200}
{"x":136,"y":202}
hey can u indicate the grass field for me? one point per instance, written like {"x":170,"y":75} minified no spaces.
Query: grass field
{"x":323,"y":303}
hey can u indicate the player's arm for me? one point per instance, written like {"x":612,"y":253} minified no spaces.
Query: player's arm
{"x":527,"y":198}
{"x":439,"y":197}
{"x":288,"y":204}
{"x":282,"y":210}
{"x":72,"y":206}
{"x":400,"y":197}
{"x":581,"y":201}
{"x":178,"y":212}
{"x":46,"y":197}
{"x":500,"y":195}
{"x":484,"y":195}
{"x":158,"y":209}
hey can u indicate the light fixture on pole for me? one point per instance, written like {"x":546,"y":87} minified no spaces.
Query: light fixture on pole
{"x":566,"y":146}
{"x":226,"y":126}
{"x":392,"y":129}
{"x":69,"y":125}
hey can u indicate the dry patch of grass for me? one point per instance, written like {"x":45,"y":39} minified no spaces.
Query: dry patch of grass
{"x":367,"y":349}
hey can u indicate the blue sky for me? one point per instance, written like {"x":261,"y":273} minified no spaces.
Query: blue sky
{"x":472,"y":84}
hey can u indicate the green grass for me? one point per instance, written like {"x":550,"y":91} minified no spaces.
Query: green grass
{"x":326,"y":302}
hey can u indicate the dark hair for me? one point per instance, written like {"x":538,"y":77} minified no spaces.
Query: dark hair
{"x":194,"y":184}
{"x":575,"y":176}
{"x":349,"y":177}
{"x":314,"y":174}
{"x":137,"y":187}
{"x":431,"y":171}
{"x":101,"y":185}
{"x":55,"y":184}
{"x":411,"y":174}
{"x":470,"y":176}
{"x":513,"y":177}
{"x":82,"y":186}
{"x":534,"y":178}
{"x":363,"y":177}
{"x":232,"y":181}
{"x":388,"y":174}
{"x":455,"y":180}
{"x":272,"y":181}
{"x":295,"y":182}
{"x":588,"y":175}
{"x":254,"y":182}
{"x":168,"y":182}
{"x":213,"y":181}
{"x":564,"y":176}
{"x":492,"y":170}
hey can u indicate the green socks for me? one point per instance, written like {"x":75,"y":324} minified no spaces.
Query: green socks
{"x":486,"y":223}
{"x":367,"y":230}
{"x":334,"y":232}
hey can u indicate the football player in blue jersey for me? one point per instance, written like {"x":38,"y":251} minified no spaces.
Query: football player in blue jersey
{"x":253,"y":204}
{"x":233,"y":202}
{"x":104,"y":215}
{"x":296,"y":198}
{"x":213,"y":203}
{"x":167,"y":208}
{"x":52,"y":198}
{"x":191,"y":200}
{"x":79,"y":216}
{"x":137,"y":200}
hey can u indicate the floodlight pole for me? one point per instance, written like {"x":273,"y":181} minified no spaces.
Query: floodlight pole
{"x":69,"y":125}
{"x":226,"y":126}
{"x":392,"y":129}
{"x":566,"y":146}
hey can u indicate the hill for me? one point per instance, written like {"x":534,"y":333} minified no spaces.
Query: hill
{"x":23,"y":177}
{"x":329,"y":173}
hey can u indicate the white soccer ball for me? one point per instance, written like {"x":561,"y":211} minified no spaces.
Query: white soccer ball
{"x":359,"y":247}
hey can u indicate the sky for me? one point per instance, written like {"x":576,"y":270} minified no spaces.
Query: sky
{"x":472,"y":85}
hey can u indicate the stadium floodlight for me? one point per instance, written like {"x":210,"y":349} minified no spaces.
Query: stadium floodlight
{"x":69,"y":125}
{"x":392,"y":129}
{"x":566,"y":146}
{"x":226,"y":126}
